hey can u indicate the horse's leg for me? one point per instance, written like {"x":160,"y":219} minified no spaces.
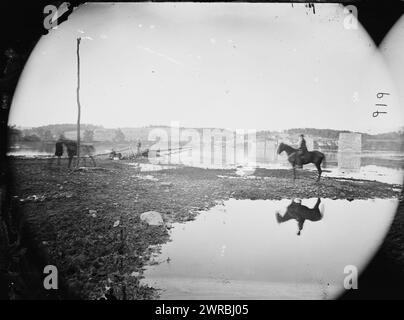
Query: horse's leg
{"x":319,"y":171}
{"x":77,"y":160}
{"x":92,"y":158}
{"x":300,"y":224}
{"x":70,"y":161}
{"x":294,"y":172}
{"x":281,"y":219}
{"x":317,"y":203}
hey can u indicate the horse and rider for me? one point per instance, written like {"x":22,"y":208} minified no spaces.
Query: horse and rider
{"x":71,"y":147}
{"x":301,"y":156}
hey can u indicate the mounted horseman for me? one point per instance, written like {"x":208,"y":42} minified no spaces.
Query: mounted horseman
{"x":302,"y":152}
{"x":301,"y":156}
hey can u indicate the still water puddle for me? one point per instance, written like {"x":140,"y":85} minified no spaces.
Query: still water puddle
{"x":148,"y":167}
{"x":370,"y":172}
{"x":267,"y":249}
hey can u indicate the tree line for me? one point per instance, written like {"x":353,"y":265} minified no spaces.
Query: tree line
{"x":51,"y":133}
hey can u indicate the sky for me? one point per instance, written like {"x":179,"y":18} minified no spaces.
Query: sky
{"x":234,"y":65}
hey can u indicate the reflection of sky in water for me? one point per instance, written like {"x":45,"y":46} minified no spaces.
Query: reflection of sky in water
{"x":240,"y":251}
{"x":29,"y":153}
{"x":371,"y":172}
{"x":338,"y":165}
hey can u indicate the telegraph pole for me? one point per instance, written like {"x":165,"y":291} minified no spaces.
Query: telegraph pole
{"x":78,"y":102}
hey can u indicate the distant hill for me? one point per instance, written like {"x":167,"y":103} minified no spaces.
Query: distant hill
{"x":390,"y":141}
{"x":55,"y":130}
{"x":393,"y":141}
{"x":323,"y":133}
{"x":334,"y":134}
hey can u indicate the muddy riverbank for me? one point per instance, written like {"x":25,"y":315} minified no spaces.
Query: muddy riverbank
{"x":88,"y":221}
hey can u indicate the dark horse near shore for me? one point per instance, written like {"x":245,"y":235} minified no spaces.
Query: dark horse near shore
{"x":300,"y":213}
{"x":71,"y":147}
{"x":315,"y":157}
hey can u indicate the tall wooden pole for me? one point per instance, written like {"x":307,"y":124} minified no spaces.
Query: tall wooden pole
{"x":78,"y":102}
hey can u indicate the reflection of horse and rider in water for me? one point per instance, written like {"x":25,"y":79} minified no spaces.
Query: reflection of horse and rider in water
{"x":301,"y":156}
{"x":301,"y":213}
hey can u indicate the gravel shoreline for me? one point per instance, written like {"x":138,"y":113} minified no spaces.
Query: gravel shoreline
{"x":87,"y":221}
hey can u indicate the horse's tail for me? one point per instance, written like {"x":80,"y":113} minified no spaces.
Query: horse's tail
{"x":324,"y":162}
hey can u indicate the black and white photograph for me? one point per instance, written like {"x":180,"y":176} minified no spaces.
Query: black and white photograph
{"x":203,"y":151}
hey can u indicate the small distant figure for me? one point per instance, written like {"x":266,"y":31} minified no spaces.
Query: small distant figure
{"x":138,"y":146}
{"x":115,"y":155}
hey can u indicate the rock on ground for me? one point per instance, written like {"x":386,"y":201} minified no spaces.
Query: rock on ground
{"x":152,"y":218}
